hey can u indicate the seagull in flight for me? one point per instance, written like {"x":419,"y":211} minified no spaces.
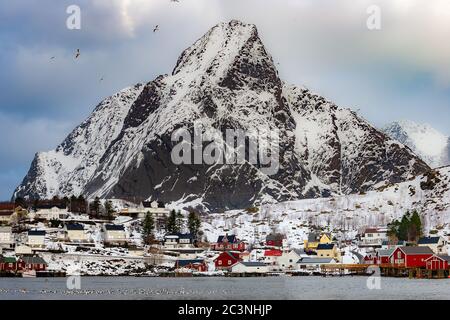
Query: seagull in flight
{"x":156,"y":28}
{"x":52,"y":58}
{"x":77,"y":54}
{"x":101,"y":79}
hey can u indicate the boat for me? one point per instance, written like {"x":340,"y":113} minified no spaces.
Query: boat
{"x":29,"y":274}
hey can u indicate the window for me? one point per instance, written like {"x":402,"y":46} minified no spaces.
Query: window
{"x":220,"y":262}
{"x":229,"y":262}
{"x":399,"y":254}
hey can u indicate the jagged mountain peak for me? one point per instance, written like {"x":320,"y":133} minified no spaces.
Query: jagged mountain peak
{"x":424,"y":140}
{"x":225,"y":80}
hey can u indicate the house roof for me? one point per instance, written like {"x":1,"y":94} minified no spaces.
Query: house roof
{"x":74,"y":226}
{"x":416,"y":250}
{"x":8,"y":259}
{"x":429,"y":240}
{"x":232,"y":254}
{"x":114,"y":227}
{"x":442,"y":257}
{"x":179,"y":235}
{"x":50,"y":206}
{"x":7,"y":206}
{"x":229,"y":238}
{"x":325,"y":246}
{"x":299,"y":251}
{"x":253,"y":264}
{"x":385,"y":252}
{"x":272,"y":253}
{"x":33,"y":260}
{"x":182,"y":263}
{"x":275,"y":237}
{"x":36,"y":232}
{"x":313,"y":237}
{"x":314,"y":260}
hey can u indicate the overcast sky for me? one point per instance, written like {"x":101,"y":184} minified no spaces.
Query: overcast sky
{"x":399,"y":72}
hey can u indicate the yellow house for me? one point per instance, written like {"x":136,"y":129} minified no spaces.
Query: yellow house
{"x":314,"y":239}
{"x":328,"y":250}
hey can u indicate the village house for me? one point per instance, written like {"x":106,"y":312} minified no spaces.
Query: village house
{"x":178,"y":240}
{"x":6,"y":237}
{"x":313,"y":263}
{"x":410,"y":257}
{"x":33,"y":263}
{"x":158,"y":210}
{"x":228,"y":242}
{"x":382,"y":255}
{"x":314,"y":239}
{"x":437,"y":244}
{"x":328,"y":250}
{"x":192,"y":264}
{"x":373,"y":237}
{"x":271,"y":257}
{"x":75,"y":232}
{"x":114,"y":234}
{"x":9,"y":264}
{"x":275,"y":240}
{"x":6,"y":212}
{"x":437,"y":262}
{"x":23,"y":250}
{"x":288,"y":259}
{"x":226,"y":260}
{"x":36,"y":239}
{"x":370,"y":258}
{"x":51,"y":211}
{"x":249,"y":267}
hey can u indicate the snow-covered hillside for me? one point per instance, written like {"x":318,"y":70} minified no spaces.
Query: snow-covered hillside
{"x":225,"y":80}
{"x":429,"y":144}
{"x":344,"y":215}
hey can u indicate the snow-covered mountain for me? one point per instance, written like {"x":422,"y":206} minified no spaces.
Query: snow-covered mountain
{"x":429,"y":144}
{"x":225,"y":80}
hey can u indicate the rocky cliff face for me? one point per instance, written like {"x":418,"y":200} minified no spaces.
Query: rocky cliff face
{"x":225,"y":80}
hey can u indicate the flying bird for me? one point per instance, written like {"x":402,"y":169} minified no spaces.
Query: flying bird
{"x":52,"y":58}
{"x":101,"y":79}
{"x":175,"y":0}
{"x":77,"y":54}
{"x":156,"y":28}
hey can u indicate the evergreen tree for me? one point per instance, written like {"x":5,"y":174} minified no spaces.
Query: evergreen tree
{"x":194,"y":224}
{"x":171,"y":224}
{"x":415,"y":228}
{"x":96,"y":206}
{"x":21,"y":202}
{"x":147,"y":228}
{"x":109,"y":210}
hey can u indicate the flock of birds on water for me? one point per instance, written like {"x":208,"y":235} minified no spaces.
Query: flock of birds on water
{"x":78,"y":52}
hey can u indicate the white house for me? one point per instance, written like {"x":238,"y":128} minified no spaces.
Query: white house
{"x":22,"y":249}
{"x":313,"y":263}
{"x":114,"y":234}
{"x":51,"y":212}
{"x":6,"y":237}
{"x":373,"y":237}
{"x":437,"y":244}
{"x":288,"y":259}
{"x":178,"y":240}
{"x":250,"y":267}
{"x":36,"y":238}
{"x":75,"y":232}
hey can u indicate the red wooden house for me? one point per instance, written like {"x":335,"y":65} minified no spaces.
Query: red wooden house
{"x":226,"y":260}
{"x":383,"y":255}
{"x":195,"y":265}
{"x":438,"y":262}
{"x":275,"y":240}
{"x":370,"y":259}
{"x":9,"y":264}
{"x":33,"y":263}
{"x":227,"y":243}
{"x":410,"y":257}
